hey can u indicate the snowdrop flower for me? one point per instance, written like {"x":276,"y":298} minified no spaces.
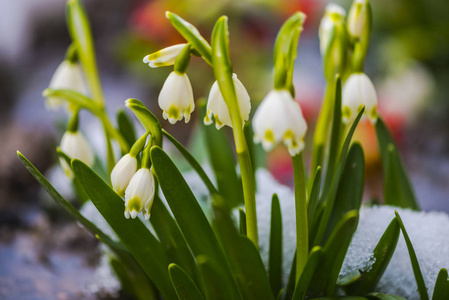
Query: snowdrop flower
{"x":358,"y":92}
{"x":279,"y":118}
{"x":122,"y":173}
{"x":332,"y":14}
{"x":139,"y":194}
{"x":358,"y":17}
{"x":217,"y":107}
{"x":176,"y":98}
{"x":164,"y":57}
{"x":69,"y":76}
{"x":75,"y":145}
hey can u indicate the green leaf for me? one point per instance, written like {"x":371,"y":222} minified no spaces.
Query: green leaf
{"x":291,"y":283}
{"x":329,"y":195}
{"x":222,"y":160}
{"x":414,"y":260}
{"x":326,"y":273}
{"x":147,"y":119}
{"x":310,"y":268}
{"x":393,"y":169}
{"x":79,"y":29}
{"x":193,"y":162}
{"x":335,"y":135}
{"x":192,"y":35}
{"x":66,"y":205}
{"x":275,"y":252}
{"x":184,"y":286}
{"x":172,"y":238}
{"x":381,"y":255}
{"x":379,"y":296}
{"x":216,"y":282}
{"x":187,"y":212}
{"x":341,"y":298}
{"x":126,"y":127}
{"x":314,"y":196}
{"x":441,"y":291}
{"x":350,"y":189}
{"x":245,"y":260}
{"x":139,"y":241}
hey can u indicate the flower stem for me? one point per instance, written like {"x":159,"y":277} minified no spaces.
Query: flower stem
{"x":302,"y":230}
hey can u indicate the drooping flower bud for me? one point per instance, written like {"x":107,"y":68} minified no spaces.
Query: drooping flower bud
{"x":333,"y":40}
{"x":75,"y":145}
{"x":139,"y":194}
{"x":122,"y":173}
{"x":359,"y":19}
{"x":279,"y":118}
{"x":216,"y":105}
{"x":176,"y":98}
{"x":68,"y":76}
{"x":359,"y":91}
{"x":164,"y":57}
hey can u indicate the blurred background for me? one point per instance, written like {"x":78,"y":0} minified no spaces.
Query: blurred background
{"x":408,"y":61}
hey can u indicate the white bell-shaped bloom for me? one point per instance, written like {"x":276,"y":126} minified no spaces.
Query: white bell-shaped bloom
{"x":357,"y":18}
{"x":75,"y":145}
{"x":68,"y":76}
{"x":359,"y":91}
{"x":332,"y":14}
{"x":139,"y":194}
{"x":164,"y":57}
{"x":279,"y":118}
{"x":217,"y":107}
{"x":176,"y":98}
{"x":122,"y":173}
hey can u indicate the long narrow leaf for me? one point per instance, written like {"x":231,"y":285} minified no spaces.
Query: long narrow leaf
{"x":193,"y":162}
{"x":216,"y":282}
{"x":382,"y":254}
{"x":405,"y":189}
{"x":275,"y":252}
{"x":172,"y":238}
{"x":139,"y":241}
{"x":326,"y":274}
{"x":329,"y":194}
{"x":414,"y":260}
{"x":309,"y":270}
{"x":350,"y":189}
{"x":184,"y":286}
{"x":126,"y":127}
{"x":441,"y":290}
{"x":66,"y":205}
{"x":246,"y":264}
{"x":188,"y":214}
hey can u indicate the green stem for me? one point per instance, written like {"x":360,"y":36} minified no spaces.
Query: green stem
{"x":302,"y":235}
{"x":249,"y":195}
{"x":322,"y":126}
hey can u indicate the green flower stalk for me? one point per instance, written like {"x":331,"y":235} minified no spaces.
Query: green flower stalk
{"x":333,"y":46}
{"x":359,"y":27}
{"x":223,"y":73}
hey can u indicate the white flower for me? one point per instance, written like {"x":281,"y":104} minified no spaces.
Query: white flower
{"x":139,"y":194}
{"x":358,"y":92}
{"x":279,"y":118}
{"x":68,"y":76}
{"x":357,"y":18}
{"x":164,"y":57}
{"x":176,"y":98}
{"x":75,"y":145}
{"x":217,"y":107}
{"x":122,"y":173}
{"x":332,"y":14}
